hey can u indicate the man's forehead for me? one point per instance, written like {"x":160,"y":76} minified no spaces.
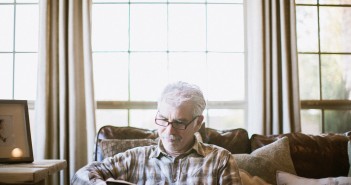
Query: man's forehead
{"x":184,"y":110}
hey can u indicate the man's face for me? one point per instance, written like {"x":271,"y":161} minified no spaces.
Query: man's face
{"x":175,"y":140}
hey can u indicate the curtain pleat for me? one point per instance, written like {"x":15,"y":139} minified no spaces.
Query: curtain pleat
{"x":273,"y":92}
{"x":65,"y":105}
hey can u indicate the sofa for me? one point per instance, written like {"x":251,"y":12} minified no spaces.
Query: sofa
{"x":275,"y":159}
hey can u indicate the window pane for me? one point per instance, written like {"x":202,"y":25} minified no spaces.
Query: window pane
{"x":336,"y":79}
{"x":110,"y":27}
{"x":148,"y":75}
{"x":152,"y":20}
{"x":111,"y":117}
{"x":6,"y":76}
{"x":6,"y":1}
{"x":335,"y":2}
{"x":146,"y":1}
{"x":306,"y":1}
{"x":337,"y":121}
{"x":27,"y":29}
{"x":226,"y":119}
{"x":311,"y":121}
{"x":6,"y":31}
{"x":143,"y":118}
{"x":335,"y":29}
{"x":26,"y":65}
{"x":309,"y":77}
{"x":225,"y":1}
{"x":188,"y":67}
{"x":111,"y":76}
{"x":307,"y":28}
{"x":187,"y":1}
{"x":226,"y":73}
{"x":110,"y":1}
{"x":187,"y":27}
{"x":225,"y":27}
{"x":27,"y":1}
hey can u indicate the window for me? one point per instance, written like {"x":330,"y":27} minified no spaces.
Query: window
{"x":324,"y":54}
{"x":19,"y":26}
{"x":141,"y":45}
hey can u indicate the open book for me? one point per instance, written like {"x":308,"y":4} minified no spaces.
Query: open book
{"x":112,"y":181}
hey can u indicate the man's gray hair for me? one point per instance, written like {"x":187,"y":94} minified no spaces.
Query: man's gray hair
{"x":179,"y":92}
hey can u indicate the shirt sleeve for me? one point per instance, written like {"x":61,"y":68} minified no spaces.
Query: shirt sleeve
{"x":96,"y":173}
{"x":229,"y":173}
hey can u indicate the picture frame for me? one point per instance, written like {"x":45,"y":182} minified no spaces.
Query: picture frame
{"x":15,"y":135}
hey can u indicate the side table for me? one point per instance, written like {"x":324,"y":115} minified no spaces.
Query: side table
{"x":30,"y":173}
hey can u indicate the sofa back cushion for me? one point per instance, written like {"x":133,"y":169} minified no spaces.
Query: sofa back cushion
{"x":314,"y":156}
{"x":111,"y":147}
{"x":113,"y":136}
{"x":235,"y":140}
{"x":112,"y":132}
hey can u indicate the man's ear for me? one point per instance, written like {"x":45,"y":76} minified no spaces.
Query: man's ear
{"x":199,"y":121}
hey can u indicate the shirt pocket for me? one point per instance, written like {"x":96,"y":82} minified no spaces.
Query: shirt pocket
{"x":199,"y":171}
{"x":154,"y":178}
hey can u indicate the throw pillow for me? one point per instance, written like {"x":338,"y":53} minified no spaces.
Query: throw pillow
{"x":284,"y":178}
{"x":247,"y":179}
{"x":349,"y":152}
{"x":265,"y":161}
{"x":110,"y":147}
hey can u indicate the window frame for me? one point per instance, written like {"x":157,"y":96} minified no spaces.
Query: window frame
{"x":152,"y":105}
{"x":323,"y":104}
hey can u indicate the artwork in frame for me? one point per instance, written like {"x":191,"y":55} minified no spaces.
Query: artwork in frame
{"x":15,"y":137}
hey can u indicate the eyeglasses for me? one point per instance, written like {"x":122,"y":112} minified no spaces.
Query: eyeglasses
{"x":175,"y":124}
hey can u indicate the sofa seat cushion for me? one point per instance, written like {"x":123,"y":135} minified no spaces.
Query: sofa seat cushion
{"x":235,"y":140}
{"x":265,"y":161}
{"x":314,"y":156}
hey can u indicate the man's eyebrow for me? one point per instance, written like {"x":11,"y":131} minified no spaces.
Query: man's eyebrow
{"x":160,"y":115}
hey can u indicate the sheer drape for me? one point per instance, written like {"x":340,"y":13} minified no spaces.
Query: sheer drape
{"x":65,"y":106}
{"x":273,"y":92}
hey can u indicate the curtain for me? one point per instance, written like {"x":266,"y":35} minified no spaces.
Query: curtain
{"x":273,"y":91}
{"x":65,"y":105}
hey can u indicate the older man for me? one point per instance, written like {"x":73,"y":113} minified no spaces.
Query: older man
{"x":179,"y":158}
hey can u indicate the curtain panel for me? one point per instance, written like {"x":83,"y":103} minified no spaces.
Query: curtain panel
{"x":65,"y":105}
{"x":273,"y":90}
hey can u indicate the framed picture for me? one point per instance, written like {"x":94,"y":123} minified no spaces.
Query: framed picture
{"x":15,"y":138}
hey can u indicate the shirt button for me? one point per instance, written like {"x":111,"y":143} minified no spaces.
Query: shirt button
{"x":174,"y":180}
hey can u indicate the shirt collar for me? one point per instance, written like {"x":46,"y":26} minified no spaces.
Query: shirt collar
{"x":160,"y":150}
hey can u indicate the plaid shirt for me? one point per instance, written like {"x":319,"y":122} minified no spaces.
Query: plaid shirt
{"x":202,"y":164}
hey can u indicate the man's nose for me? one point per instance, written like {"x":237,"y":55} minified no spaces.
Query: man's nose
{"x":169,"y":128}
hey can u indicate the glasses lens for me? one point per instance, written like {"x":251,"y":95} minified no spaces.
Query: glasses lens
{"x":180,"y":126}
{"x":161,"y":122}
{"x":164,"y":123}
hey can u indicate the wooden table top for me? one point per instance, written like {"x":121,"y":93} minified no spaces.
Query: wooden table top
{"x":30,"y":172}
